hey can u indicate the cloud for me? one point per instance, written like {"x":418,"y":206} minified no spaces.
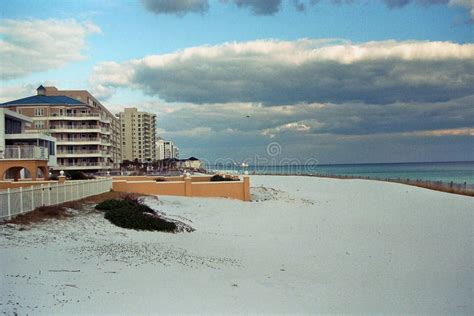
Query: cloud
{"x":13,"y":92}
{"x":176,"y":7}
{"x":327,"y":131}
{"x":29,"y":46}
{"x":304,"y":71}
{"x":182,"y":7}
{"x":317,"y":118}
{"x":468,"y":4}
{"x":260,"y":7}
{"x":270,"y":7}
{"x":447,"y":132}
{"x":402,"y":3}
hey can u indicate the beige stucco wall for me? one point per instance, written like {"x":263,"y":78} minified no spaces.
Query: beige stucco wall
{"x":195,"y":186}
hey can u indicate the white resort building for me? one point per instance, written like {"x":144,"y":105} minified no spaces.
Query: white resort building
{"x":22,"y":154}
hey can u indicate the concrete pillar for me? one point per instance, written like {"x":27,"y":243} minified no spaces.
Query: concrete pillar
{"x":16,"y":174}
{"x":61,"y":179}
{"x":2,"y":133}
{"x":45,"y":172}
{"x":247,"y":188}
{"x":33,"y":172}
{"x":188,"y":190}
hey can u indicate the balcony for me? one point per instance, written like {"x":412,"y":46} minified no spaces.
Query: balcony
{"x":106,"y":142}
{"x":105,"y":119}
{"x":27,"y":152}
{"x":79,"y":141}
{"x":75,"y":116}
{"x":84,"y":166}
{"x":82,"y":153}
{"x":76,"y":129}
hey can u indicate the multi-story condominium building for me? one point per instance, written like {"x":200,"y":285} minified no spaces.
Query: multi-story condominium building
{"x":23,"y":155}
{"x":165,"y":149}
{"x":175,"y":152}
{"x":160,"y":149}
{"x":138,"y":135}
{"x":87,"y":134}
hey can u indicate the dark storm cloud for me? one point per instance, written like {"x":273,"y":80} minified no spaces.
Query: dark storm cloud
{"x":324,"y":130}
{"x":270,"y":7}
{"x":259,"y":7}
{"x":306,"y":71}
{"x":402,"y":3}
{"x":337,"y":119}
{"x":176,"y":7}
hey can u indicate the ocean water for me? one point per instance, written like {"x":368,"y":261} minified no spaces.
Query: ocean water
{"x":457,"y":172}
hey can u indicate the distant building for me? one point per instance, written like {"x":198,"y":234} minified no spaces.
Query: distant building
{"x":175,"y":151}
{"x":138,"y":135}
{"x":30,"y":154}
{"x":166,"y":150}
{"x":160,"y":149}
{"x":191,"y":163}
{"x":87,"y":134}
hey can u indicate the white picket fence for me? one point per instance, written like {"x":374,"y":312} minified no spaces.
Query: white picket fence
{"x":21,"y":200}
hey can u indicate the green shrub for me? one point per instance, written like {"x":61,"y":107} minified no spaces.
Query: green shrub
{"x":218,"y":177}
{"x":78,"y":175}
{"x":135,"y":218}
{"x":130,"y":213}
{"x":114,"y":204}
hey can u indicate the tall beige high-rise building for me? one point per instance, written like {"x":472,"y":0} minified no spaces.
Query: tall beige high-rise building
{"x":138,"y":135}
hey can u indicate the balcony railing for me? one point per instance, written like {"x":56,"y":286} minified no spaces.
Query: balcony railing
{"x":25,"y":152}
{"x":75,"y":127}
{"x":78,"y":140}
{"x":84,"y":164}
{"x":75,"y":115}
{"x":83,"y":151}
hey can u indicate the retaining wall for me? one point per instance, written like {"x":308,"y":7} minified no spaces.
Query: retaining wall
{"x":198,"y":186}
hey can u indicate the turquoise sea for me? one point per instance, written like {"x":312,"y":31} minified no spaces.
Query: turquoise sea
{"x":457,"y":172}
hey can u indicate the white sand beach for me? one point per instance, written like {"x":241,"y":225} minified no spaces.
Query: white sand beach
{"x":304,"y":245}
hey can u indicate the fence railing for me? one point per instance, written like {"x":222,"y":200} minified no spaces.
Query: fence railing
{"x":75,"y":127}
{"x":25,"y":199}
{"x":75,"y":115}
{"x":25,"y":152}
{"x":84,"y":164}
{"x":82,"y":151}
{"x":79,"y":140}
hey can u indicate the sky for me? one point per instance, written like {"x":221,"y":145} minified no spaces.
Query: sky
{"x":333,"y":81}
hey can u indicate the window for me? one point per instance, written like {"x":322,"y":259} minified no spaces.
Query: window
{"x":39,"y":124}
{"x":12,"y":126}
{"x":39,"y":112}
